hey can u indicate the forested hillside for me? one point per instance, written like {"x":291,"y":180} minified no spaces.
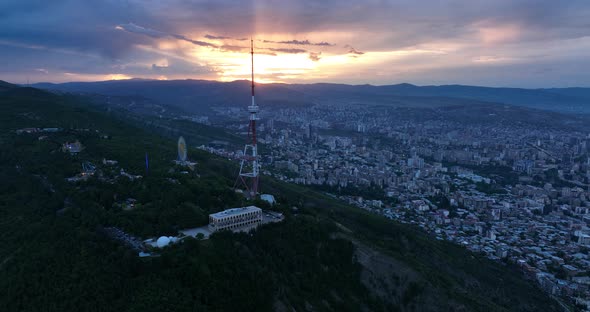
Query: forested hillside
{"x":326,"y":256}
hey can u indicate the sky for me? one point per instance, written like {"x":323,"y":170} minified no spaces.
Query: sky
{"x":511,"y":43}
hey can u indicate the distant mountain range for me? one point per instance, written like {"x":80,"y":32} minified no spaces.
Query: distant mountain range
{"x":193,"y":96}
{"x":563,"y":100}
{"x":199,"y":95}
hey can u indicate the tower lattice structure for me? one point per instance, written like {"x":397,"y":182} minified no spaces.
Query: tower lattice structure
{"x":250,"y":165}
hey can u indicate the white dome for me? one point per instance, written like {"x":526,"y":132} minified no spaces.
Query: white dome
{"x":163,"y":241}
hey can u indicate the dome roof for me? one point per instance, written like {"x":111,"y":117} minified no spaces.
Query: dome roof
{"x":163,"y":241}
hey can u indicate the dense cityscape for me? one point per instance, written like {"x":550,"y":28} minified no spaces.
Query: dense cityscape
{"x":513,"y":190}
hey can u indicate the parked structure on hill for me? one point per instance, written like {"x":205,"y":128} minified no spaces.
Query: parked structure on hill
{"x":236,"y":219}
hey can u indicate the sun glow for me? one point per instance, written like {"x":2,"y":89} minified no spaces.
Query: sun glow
{"x":267,"y":68}
{"x":276,"y":61}
{"x":117,"y":77}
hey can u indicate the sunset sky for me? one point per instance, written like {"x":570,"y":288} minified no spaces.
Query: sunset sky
{"x":490,"y":43}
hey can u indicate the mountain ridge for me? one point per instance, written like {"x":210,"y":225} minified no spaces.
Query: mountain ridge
{"x":185,"y":93}
{"x":6,"y":85}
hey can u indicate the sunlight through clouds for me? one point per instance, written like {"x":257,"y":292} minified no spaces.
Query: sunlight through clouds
{"x":379,"y":42}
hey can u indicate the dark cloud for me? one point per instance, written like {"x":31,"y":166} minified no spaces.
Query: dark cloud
{"x":266,"y":53}
{"x":75,"y":25}
{"x":158,"y":68}
{"x":132,"y":28}
{"x":195,"y":42}
{"x":315,"y":56}
{"x":298,"y":42}
{"x":354,"y":51}
{"x":290,"y":51}
{"x":213,"y":37}
{"x":234,"y":48}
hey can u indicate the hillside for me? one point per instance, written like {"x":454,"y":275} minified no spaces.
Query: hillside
{"x":5,"y":85}
{"x":583,"y":93}
{"x":326,"y":256}
{"x":199,"y":95}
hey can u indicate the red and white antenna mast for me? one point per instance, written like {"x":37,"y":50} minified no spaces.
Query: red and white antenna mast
{"x":250,"y":166}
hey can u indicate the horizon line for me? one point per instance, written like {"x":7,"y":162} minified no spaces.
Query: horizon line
{"x":285,"y":83}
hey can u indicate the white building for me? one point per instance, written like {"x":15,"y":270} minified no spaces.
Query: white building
{"x":235,"y":219}
{"x":583,"y":239}
{"x":268,"y":198}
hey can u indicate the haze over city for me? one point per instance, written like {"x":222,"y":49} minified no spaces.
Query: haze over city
{"x":491,"y":43}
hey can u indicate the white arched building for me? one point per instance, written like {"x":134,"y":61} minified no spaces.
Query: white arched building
{"x":235,"y":219}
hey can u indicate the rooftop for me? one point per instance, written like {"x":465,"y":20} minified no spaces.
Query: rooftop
{"x":235,"y":211}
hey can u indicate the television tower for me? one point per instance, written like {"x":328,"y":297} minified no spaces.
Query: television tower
{"x":250,"y":166}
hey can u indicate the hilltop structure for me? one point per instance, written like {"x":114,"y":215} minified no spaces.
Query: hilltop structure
{"x":250,"y":158}
{"x":236,"y":219}
{"x":183,"y":156}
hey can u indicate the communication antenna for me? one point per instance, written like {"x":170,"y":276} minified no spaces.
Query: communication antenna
{"x":250,"y":166}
